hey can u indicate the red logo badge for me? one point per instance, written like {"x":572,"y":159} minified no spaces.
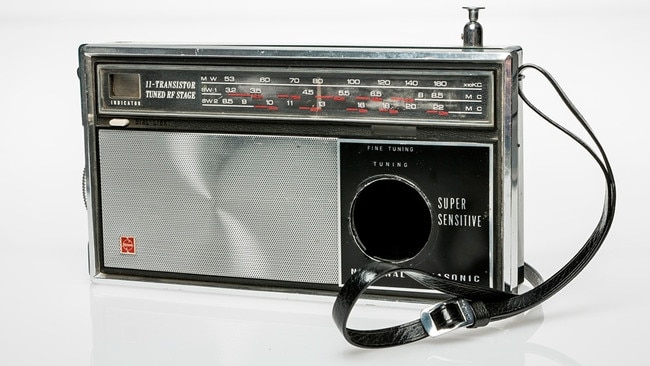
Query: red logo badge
{"x":127,"y":245}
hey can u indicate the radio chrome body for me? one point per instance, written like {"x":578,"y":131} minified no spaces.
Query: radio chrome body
{"x":289,"y":168}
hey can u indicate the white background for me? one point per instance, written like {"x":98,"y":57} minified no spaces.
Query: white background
{"x":50,"y":314}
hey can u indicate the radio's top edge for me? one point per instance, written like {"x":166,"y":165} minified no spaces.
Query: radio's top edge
{"x":417,"y":86}
{"x":307,"y":52}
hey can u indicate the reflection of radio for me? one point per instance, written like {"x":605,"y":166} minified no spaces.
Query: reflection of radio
{"x":290,"y":168}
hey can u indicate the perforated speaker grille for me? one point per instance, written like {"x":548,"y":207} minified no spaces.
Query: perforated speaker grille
{"x":254,"y":207}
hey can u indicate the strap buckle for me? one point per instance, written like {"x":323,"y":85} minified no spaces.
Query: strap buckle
{"x":447,"y":316}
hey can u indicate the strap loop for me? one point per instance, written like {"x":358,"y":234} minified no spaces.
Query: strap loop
{"x":481,"y":314}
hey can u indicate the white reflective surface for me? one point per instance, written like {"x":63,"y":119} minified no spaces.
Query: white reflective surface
{"x":147,"y":326}
{"x":50,"y":314}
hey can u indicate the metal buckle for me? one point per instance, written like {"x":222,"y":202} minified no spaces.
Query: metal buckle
{"x":450,"y":315}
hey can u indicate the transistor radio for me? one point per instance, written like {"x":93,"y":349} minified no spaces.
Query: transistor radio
{"x":290,"y":168}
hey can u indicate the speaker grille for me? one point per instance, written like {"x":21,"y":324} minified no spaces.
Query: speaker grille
{"x":253,"y":207}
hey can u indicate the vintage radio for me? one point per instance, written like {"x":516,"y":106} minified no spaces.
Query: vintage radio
{"x":289,"y":168}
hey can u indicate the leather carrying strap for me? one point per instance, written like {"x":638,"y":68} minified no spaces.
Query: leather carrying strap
{"x":445,"y":316}
{"x":472,"y":306}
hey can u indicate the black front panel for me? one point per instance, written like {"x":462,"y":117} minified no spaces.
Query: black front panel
{"x":424,"y":205}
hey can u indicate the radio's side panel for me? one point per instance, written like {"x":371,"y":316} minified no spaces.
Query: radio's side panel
{"x":85,"y":72}
{"x":510,"y":175}
{"x":513,"y":158}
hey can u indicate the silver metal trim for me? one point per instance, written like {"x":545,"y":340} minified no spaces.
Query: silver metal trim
{"x":512,"y":173}
{"x":88,"y":89}
{"x":300,"y":52}
{"x":430,"y":326}
{"x":488,"y":122}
